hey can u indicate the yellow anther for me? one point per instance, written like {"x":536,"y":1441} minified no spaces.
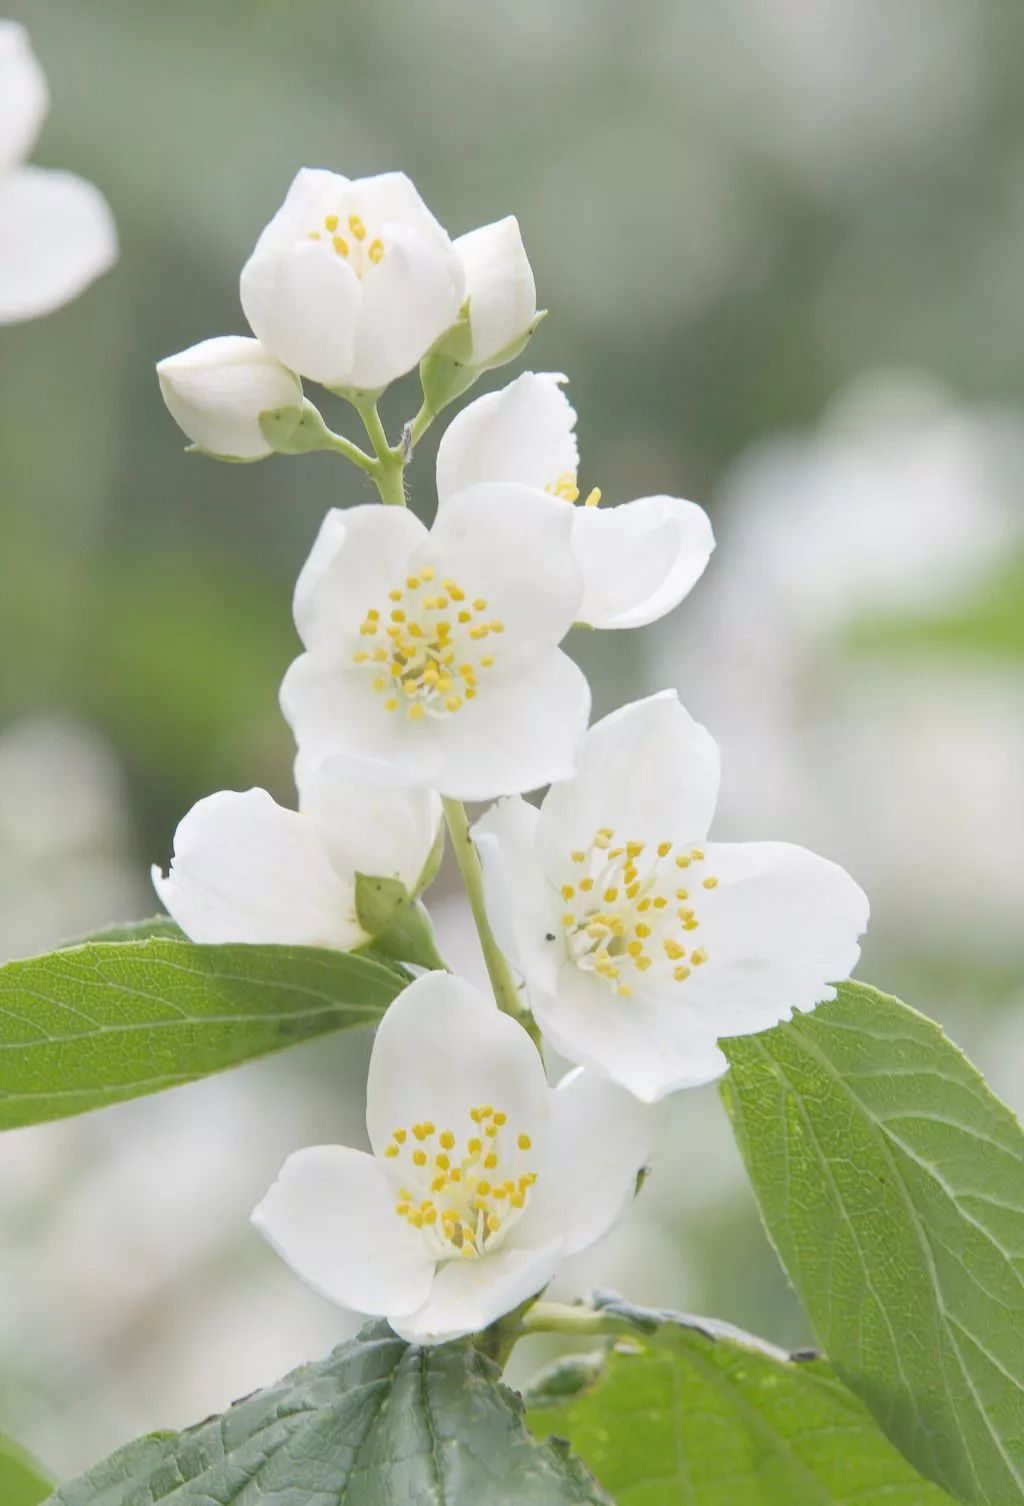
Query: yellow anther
{"x":442,"y":1161}
{"x":568,"y":891}
{"x":483,"y":1187}
{"x":499,"y":1118}
{"x":486,"y":661}
{"x":497,"y":626}
{"x":427,"y":572}
{"x":439,"y":1184}
{"x":474,"y":1146}
{"x":680,"y":974}
{"x":711,"y":882}
{"x":416,"y":713}
{"x":376,"y":251}
{"x":697,"y":854}
{"x":660,"y":902}
{"x":641,"y":929}
{"x":380,"y":683}
{"x":673,"y":951}
{"x":518,"y":1200}
{"x":402,"y":1208}
{"x":568,"y":920}
{"x":610,"y":896}
{"x":453,"y":703}
{"x":419,"y":1158}
{"x":682,"y":861}
{"x":691,"y":924}
{"x":315,"y":235}
{"x":357,"y":227}
{"x":490,"y":1160}
{"x":430,"y":1216}
{"x":331,"y":222}
{"x":493,"y":1223}
{"x":698,"y":956}
{"x":524,"y":1142}
{"x":400,"y":1135}
{"x":593,"y":497}
{"x":586,"y":885}
{"x":682,"y":894}
{"x":476,"y":1116}
{"x":447,"y":1140}
{"x":412,"y":582}
{"x":392,"y":1150}
{"x":635,"y":948}
{"x":490,"y":1129}
{"x":624,"y":991}
{"x":397,"y":615}
{"x":360,"y":656}
{"x":340,"y":244}
{"x":578,"y":856}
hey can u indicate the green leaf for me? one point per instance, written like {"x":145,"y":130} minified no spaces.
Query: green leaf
{"x":695,"y":1412}
{"x":376,"y":1424}
{"x":132,"y":930}
{"x":399,"y":925}
{"x":891,"y":1182}
{"x":98,"y":1023}
{"x":22,"y":1481}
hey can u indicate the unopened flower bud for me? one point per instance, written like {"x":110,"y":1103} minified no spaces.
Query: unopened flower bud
{"x":217,"y":390}
{"x":501,"y":291}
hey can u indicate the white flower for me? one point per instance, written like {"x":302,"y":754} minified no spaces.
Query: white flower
{"x":245,"y":869}
{"x":641,"y":942}
{"x":435,"y":653}
{"x":481,"y":1177}
{"x":638,"y":560}
{"x":500,"y":287}
{"x":56,"y":231}
{"x":351,"y":282}
{"x":216,"y":391}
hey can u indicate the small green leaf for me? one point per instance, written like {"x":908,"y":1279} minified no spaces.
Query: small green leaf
{"x":98,"y":1023}
{"x":695,"y":1412}
{"x":891,"y":1182}
{"x":378,"y":1423}
{"x":399,"y":925}
{"x":132,"y":930}
{"x":22,"y":1481}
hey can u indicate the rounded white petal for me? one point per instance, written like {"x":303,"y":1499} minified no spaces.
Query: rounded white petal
{"x":443,"y":1048}
{"x":409,"y":299}
{"x":779,"y":927}
{"x":358,"y":557}
{"x":639,"y":559}
{"x":245,"y":869}
{"x":524,"y":433}
{"x":313,"y":193}
{"x":393,"y":199}
{"x":331,"y":707}
{"x":24,"y":97}
{"x":216,"y":391}
{"x":331,"y":1216}
{"x":367,"y":823}
{"x":524,"y":909}
{"x":649,"y":1046}
{"x":500,"y":286}
{"x":648,"y":771}
{"x":522,"y":731}
{"x":303,"y":303}
{"x":57,"y":235}
{"x":512,"y":547}
{"x":601,"y":1137}
{"x":469,"y":1295}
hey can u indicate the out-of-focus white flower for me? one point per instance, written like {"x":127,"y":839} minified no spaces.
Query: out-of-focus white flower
{"x":481,"y":1177}
{"x":435,"y":653}
{"x":641,"y":943}
{"x":352,"y":281}
{"x":638,"y":560}
{"x":245,"y":869}
{"x":500,"y":288}
{"x":56,"y":230}
{"x":216,"y":391}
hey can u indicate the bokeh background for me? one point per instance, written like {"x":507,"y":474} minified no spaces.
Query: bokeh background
{"x":782,"y":242}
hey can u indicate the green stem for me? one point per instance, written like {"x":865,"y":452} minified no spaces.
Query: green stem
{"x":499,"y":972}
{"x":418,"y":426}
{"x":389,"y":465}
{"x":559,"y":1317}
{"x":342,"y":446}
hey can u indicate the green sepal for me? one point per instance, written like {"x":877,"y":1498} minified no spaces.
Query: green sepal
{"x":296,"y":431}
{"x":398,"y":923}
{"x":447,"y":370}
{"x":432,"y":867}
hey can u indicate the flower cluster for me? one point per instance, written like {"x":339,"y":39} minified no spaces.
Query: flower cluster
{"x":432,"y":672}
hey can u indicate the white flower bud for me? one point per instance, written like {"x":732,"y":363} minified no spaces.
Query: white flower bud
{"x":500,"y":287}
{"x":217,"y":390}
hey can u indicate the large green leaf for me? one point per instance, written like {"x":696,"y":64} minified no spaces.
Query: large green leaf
{"x":688,"y":1411}
{"x":891,"y":1182}
{"x":95,"y":1024}
{"x":22,"y":1482}
{"x":379,"y":1423}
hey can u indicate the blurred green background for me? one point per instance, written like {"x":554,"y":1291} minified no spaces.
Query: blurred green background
{"x":781,"y":242}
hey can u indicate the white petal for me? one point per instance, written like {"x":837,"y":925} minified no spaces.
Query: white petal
{"x":57,"y":235}
{"x":781,"y":925}
{"x":216,"y":391}
{"x":24,"y":97}
{"x":650,"y":1047}
{"x":443,"y":1048}
{"x":367,"y":823}
{"x":392,"y":198}
{"x":500,"y":286}
{"x":331,"y":1216}
{"x":359,"y":556}
{"x":332,"y":707}
{"x":313,"y":194}
{"x":648,"y":771}
{"x":523,"y":907}
{"x":522,"y":731}
{"x":639,"y":559}
{"x":601,"y":1137}
{"x":469,"y":1295}
{"x":409,"y":299}
{"x":512,"y":547}
{"x":245,"y":869}
{"x":523,"y":433}
{"x":303,"y":303}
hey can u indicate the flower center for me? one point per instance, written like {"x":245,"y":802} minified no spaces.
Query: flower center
{"x":566,"y":488}
{"x":429,"y":649}
{"x":351,"y":242}
{"x":629,"y":910}
{"x":462,"y":1191}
